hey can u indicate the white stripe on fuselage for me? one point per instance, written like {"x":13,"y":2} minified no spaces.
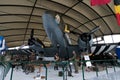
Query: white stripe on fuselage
{"x":93,"y":49}
{"x":110,"y":48}
{"x":100,"y":50}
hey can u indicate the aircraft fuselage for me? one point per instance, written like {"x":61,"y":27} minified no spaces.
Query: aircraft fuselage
{"x":54,"y":33}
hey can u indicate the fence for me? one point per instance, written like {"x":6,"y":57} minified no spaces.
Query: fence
{"x":102,"y":69}
{"x":5,"y":67}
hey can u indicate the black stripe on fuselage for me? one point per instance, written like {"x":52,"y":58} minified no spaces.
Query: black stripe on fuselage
{"x":105,"y":49}
{"x":97,"y":49}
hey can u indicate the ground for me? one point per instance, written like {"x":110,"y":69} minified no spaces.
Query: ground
{"x":53,"y":74}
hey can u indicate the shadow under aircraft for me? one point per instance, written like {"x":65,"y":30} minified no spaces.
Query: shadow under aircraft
{"x":57,"y":31}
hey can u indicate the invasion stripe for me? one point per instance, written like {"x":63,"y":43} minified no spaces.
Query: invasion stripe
{"x":93,"y":49}
{"x":97,"y":49}
{"x":106,"y":48}
{"x":100,"y":50}
{"x":110,"y":48}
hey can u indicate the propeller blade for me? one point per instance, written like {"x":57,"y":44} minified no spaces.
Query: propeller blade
{"x":74,"y":32}
{"x":94,"y":30}
{"x":32,"y":33}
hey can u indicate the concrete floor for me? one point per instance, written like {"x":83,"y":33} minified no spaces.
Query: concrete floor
{"x":53,"y":75}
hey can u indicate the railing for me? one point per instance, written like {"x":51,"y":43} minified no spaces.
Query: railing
{"x":104,"y":63}
{"x":5,"y":67}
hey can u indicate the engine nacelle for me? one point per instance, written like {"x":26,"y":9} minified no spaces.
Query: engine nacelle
{"x":85,"y":41}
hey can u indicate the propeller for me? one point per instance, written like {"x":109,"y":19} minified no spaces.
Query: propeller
{"x":94,"y":30}
{"x":34,"y":41}
{"x":31,"y":40}
{"x":85,"y":40}
{"x":32,"y":33}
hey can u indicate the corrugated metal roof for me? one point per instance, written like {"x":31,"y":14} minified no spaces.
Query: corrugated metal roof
{"x":18,"y":17}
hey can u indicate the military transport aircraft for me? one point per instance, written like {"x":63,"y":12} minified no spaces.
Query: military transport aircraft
{"x":57,"y":32}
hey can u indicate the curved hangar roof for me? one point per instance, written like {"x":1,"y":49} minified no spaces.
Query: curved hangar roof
{"x":18,"y":17}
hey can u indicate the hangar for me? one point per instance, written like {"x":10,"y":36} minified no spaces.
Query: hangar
{"x":19,"y":17}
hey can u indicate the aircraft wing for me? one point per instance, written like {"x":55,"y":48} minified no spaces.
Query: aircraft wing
{"x":97,"y":49}
{"x":47,"y":55}
{"x":48,"y":51}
